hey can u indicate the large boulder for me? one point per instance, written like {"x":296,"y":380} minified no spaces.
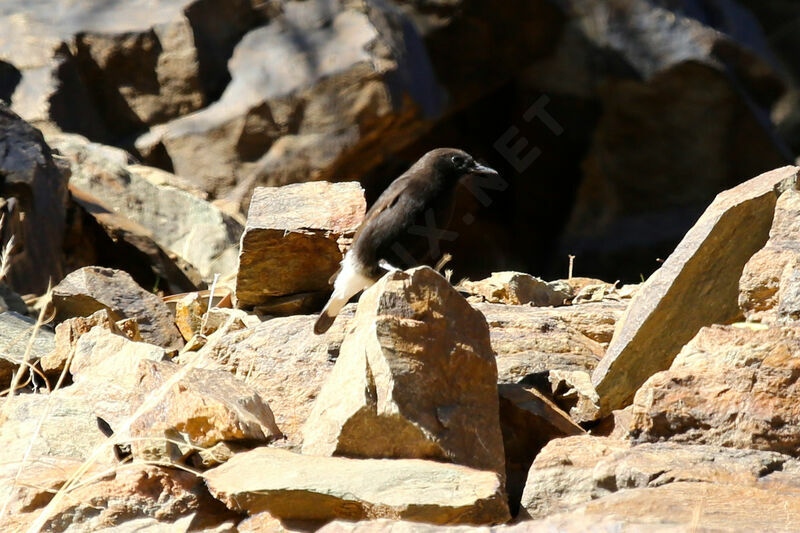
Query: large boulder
{"x":415,"y":378}
{"x":329,"y":105}
{"x":697,"y":286}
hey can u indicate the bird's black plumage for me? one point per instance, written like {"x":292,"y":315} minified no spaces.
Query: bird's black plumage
{"x":399,"y":230}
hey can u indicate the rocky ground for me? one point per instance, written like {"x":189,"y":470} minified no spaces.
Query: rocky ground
{"x":503,"y":403}
{"x":176,"y":191}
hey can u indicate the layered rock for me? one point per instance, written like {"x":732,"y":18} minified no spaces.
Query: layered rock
{"x":17,"y":333}
{"x":695,"y":287}
{"x":415,"y":378}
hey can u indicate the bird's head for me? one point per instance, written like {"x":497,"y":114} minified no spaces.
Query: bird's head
{"x":453,"y":164}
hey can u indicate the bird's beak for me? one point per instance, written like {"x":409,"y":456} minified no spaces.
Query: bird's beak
{"x":477,"y":168}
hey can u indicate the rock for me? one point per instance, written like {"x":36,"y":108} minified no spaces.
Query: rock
{"x":70,"y":330}
{"x":178,"y":221}
{"x":36,"y":207}
{"x":531,"y":342}
{"x":729,"y":386}
{"x":285,"y":363}
{"x":669,"y":309}
{"x":573,"y":391}
{"x":114,"y":70}
{"x":762,"y":279}
{"x":201,"y":410}
{"x":131,"y":493}
{"x":99,"y":237}
{"x":292,"y":486}
{"x":516,"y":288}
{"x":293,"y":237}
{"x":15,"y":336}
{"x":192,"y":317}
{"x":361,"y":83}
{"x":69,"y":428}
{"x":93,"y":288}
{"x":11,"y":301}
{"x":528,"y":421}
{"x":415,"y":378}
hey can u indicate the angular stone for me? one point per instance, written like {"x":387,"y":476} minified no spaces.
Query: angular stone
{"x":15,"y":336}
{"x":528,"y":421}
{"x":327,"y":107}
{"x":202,"y":409}
{"x":38,"y":211}
{"x":100,"y":237}
{"x":292,"y":239}
{"x":517,"y":288}
{"x":70,"y":330}
{"x":178,"y":221}
{"x":416,"y":378}
{"x":730,"y":386}
{"x":285,"y":363}
{"x":761,"y":280}
{"x":669,"y":309}
{"x":93,"y":288}
{"x":573,"y":391}
{"x":530,"y":342}
{"x":291,"y":486}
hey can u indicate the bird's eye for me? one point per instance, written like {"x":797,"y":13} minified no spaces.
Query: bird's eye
{"x":459,"y":161}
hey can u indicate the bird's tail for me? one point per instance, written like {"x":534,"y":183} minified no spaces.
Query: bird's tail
{"x":348,"y":283}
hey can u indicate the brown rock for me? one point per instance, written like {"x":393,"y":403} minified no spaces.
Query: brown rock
{"x":291,"y":486}
{"x":15,"y":335}
{"x":573,"y":391}
{"x":202,"y":409}
{"x":285,"y":363}
{"x":70,"y":330}
{"x":730,"y":386}
{"x":100,"y":237}
{"x":669,"y":309}
{"x":416,"y":377}
{"x":516,"y":288}
{"x":193,"y":317}
{"x":761,"y":280}
{"x":37,"y":216}
{"x":292,"y":239}
{"x":528,"y":421}
{"x":93,"y":288}
{"x":530,"y":342}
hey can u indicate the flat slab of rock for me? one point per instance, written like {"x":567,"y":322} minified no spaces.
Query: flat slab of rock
{"x":415,"y":378}
{"x":730,"y":386}
{"x":90,"y":289}
{"x":518,"y":288}
{"x":292,"y":486}
{"x":696,"y":286}
{"x":292,"y":239}
{"x":15,"y":334}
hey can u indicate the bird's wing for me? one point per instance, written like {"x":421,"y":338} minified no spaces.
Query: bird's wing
{"x":388,"y":205}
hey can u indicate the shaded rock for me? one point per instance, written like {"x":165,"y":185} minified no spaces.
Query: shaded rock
{"x":179,"y":221}
{"x":285,"y":363}
{"x":69,"y":428}
{"x":517,"y":288}
{"x":729,"y":386}
{"x":573,"y":391}
{"x":326,"y":106}
{"x":528,"y":421}
{"x":36,"y":207}
{"x":291,"y":486}
{"x":761,"y":283}
{"x":293,"y":238}
{"x":416,"y":378}
{"x":201,"y":409}
{"x":114,"y":69}
{"x":530,"y":342}
{"x":11,"y":301}
{"x":70,"y":330}
{"x":669,"y":309}
{"x":15,"y":336}
{"x":93,"y":288}
{"x":98,"y":236}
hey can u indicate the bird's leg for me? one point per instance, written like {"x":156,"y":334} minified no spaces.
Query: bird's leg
{"x":384,"y":264}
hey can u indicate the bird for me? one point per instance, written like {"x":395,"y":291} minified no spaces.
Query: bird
{"x":403,"y":227}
